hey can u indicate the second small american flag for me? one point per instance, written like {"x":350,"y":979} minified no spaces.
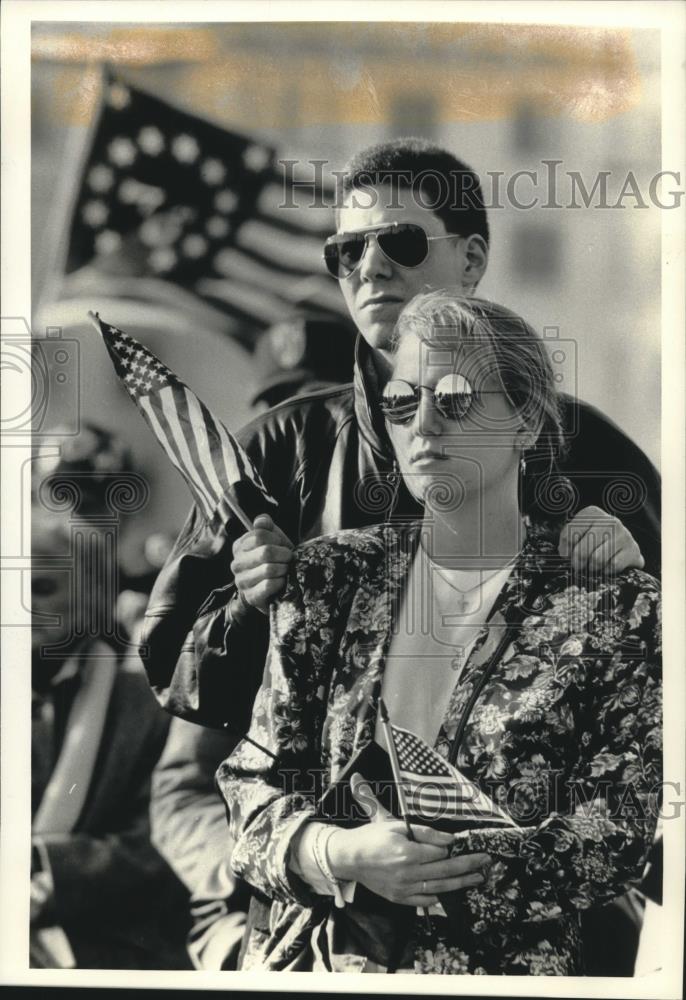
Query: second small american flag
{"x":434,"y":789}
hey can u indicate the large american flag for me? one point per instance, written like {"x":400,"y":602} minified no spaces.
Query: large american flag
{"x":217,"y":469}
{"x":168,"y":208}
{"x":434,"y":789}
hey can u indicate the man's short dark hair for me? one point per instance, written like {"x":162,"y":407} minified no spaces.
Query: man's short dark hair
{"x":435,"y":178}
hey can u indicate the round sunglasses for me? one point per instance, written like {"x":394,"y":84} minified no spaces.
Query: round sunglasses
{"x":403,"y":243}
{"x":453,"y":398}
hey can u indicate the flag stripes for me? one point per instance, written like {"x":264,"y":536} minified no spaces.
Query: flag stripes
{"x":151,"y":409}
{"x":434,"y":789}
{"x":276,"y":245}
{"x":240,"y":299}
{"x":169,"y":409}
{"x":197,"y":444}
{"x":204,"y":449}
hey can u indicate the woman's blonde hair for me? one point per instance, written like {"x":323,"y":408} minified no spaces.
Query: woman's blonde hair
{"x":447,"y":318}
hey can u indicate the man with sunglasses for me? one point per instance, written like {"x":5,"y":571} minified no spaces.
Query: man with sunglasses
{"x":327,"y":460}
{"x":389,"y":246}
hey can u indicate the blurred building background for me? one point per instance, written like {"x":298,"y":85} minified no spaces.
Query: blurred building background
{"x":503,"y":98}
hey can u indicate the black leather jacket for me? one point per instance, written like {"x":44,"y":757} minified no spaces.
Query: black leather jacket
{"x":327,"y":460}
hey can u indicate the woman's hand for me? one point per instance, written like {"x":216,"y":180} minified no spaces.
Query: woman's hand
{"x":381,"y":857}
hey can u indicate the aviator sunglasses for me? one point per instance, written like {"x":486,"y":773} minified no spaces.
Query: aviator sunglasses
{"x":453,"y":398}
{"x":403,"y":243}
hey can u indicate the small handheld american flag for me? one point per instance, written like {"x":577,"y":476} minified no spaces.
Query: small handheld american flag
{"x":209,"y":458}
{"x":434,"y":789}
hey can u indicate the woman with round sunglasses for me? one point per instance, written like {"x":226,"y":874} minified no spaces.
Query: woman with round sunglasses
{"x":542,"y":692}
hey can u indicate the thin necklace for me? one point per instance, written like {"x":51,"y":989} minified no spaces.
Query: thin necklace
{"x":462,"y":602}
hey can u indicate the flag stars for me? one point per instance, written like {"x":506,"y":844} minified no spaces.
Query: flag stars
{"x":217,"y":227}
{"x":107,"y":241}
{"x":163,"y":259}
{"x":100,"y":178}
{"x":94,"y":213}
{"x":128,"y":191}
{"x":194,"y":245}
{"x":185,"y":148}
{"x":256,"y":158}
{"x":151,"y":140}
{"x":146,"y":197}
{"x":118,"y":96}
{"x":213,"y":171}
{"x":122,"y":151}
{"x":157,"y":231}
{"x":226,"y":200}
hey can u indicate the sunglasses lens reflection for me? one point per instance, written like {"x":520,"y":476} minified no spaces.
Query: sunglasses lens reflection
{"x":399,"y":401}
{"x":350,"y":254}
{"x":454,"y":396}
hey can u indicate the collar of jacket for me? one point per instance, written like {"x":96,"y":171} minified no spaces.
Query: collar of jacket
{"x":366,"y":391}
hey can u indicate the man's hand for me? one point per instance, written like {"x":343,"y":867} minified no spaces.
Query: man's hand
{"x":596,"y":542}
{"x":380,"y":856}
{"x":260,"y":562}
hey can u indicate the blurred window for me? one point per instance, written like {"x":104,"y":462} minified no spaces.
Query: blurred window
{"x":536,"y":251}
{"x":526,"y":128}
{"x":537,"y":132}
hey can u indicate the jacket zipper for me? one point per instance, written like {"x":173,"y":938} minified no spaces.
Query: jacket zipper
{"x":519,"y":615}
{"x":394,"y":478}
{"x":493,"y":662}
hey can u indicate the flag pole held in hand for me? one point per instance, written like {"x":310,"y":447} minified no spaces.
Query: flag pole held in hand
{"x":207,"y":455}
{"x":395,"y":768}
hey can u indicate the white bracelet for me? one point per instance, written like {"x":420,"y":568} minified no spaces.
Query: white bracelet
{"x":319,"y":848}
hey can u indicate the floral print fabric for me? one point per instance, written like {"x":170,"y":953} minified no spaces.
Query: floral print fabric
{"x":562,"y":728}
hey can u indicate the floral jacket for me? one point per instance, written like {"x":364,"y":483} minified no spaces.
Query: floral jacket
{"x":561,"y":725}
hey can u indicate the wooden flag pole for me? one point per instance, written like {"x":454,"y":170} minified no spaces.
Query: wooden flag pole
{"x":395,"y":768}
